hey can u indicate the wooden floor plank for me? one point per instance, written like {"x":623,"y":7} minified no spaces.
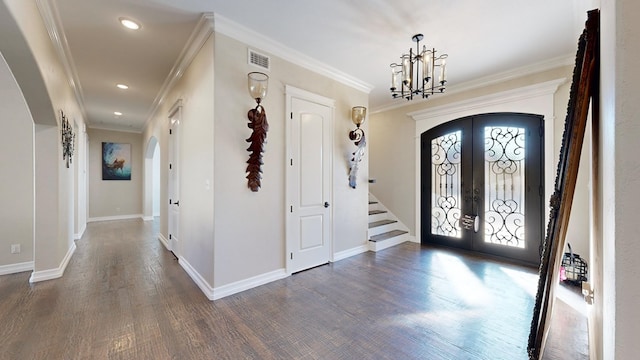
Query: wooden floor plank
{"x":123,"y":296}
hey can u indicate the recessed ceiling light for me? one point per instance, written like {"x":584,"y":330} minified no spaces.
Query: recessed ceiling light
{"x":122,"y":86}
{"x":117,"y":113}
{"x":129,"y":24}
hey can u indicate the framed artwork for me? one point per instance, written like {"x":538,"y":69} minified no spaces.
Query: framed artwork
{"x":116,"y":161}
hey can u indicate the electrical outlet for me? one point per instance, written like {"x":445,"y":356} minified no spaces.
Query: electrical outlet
{"x":15,"y":248}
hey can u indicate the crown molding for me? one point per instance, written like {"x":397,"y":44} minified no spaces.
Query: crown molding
{"x":199,"y":35}
{"x":115,"y":128}
{"x":255,"y":39}
{"x":542,"y":66}
{"x":526,"y":92}
{"x":52,"y":22}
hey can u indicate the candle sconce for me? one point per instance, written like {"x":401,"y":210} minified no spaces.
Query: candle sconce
{"x":68,"y":139}
{"x":358,"y":116}
{"x":258,"y":83}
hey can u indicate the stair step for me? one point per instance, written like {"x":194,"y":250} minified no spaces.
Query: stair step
{"x":375,"y":212}
{"x":381,"y":223}
{"x":372,"y":202}
{"x":387,"y":235}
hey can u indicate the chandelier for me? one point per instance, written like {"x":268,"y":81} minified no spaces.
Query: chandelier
{"x":415,"y":75}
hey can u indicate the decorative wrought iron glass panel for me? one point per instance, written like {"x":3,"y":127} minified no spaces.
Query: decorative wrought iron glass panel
{"x":445,"y":185}
{"x":504,"y":154}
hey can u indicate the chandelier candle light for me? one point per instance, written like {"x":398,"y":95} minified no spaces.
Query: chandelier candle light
{"x":258,"y":83}
{"x":415,"y":75}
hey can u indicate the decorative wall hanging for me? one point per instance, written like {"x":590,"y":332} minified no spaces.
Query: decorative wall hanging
{"x":583,"y":88}
{"x":358,"y":115}
{"x":68,"y":139}
{"x":415,"y":75}
{"x":258,"y":83}
{"x":116,"y":161}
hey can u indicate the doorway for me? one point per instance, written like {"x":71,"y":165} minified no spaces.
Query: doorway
{"x":173,"y":183}
{"x":309,"y":192}
{"x":483,"y":185}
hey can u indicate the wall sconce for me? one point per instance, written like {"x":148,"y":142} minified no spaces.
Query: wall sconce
{"x":68,"y":139}
{"x":358,"y":115}
{"x":258,"y":83}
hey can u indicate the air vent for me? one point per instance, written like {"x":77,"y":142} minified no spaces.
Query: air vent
{"x":259,"y":60}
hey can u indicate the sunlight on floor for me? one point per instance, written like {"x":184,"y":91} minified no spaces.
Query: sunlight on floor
{"x":528,"y":282}
{"x":466,"y":283}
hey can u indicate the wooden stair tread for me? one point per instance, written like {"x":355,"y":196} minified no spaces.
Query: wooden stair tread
{"x":381,"y":223}
{"x":375,"y":212}
{"x":387,"y":235}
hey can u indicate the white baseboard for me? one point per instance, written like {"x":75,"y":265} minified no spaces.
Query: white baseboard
{"x":350,"y":252}
{"x":164,"y":241}
{"x":16,"y":268}
{"x":54,"y":273}
{"x":78,"y":236}
{"x":147,"y":218}
{"x":112,"y":218}
{"x":246,"y":284}
{"x":413,"y":239}
{"x":197,"y":278}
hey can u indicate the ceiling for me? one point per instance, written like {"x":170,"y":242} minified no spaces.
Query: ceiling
{"x":359,"y":38}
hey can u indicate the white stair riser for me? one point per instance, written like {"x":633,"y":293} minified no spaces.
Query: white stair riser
{"x":378,"y":217}
{"x":383,"y":229}
{"x":381,"y":245}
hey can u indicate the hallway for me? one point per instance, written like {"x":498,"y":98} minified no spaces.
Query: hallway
{"x":124,"y":296}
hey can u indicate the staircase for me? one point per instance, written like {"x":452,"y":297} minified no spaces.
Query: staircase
{"x":384,"y":228}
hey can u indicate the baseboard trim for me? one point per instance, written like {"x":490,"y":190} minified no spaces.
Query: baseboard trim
{"x":50,"y":274}
{"x":147,"y":218}
{"x":350,"y":252}
{"x":413,"y":239}
{"x":246,"y":284}
{"x":16,"y":268}
{"x":78,"y":236}
{"x":197,"y":278}
{"x":164,"y":241}
{"x":113,"y":218}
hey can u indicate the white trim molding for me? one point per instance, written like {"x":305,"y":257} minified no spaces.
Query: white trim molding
{"x":78,"y":236}
{"x":164,"y":241}
{"x":265,"y":44}
{"x":196,"y":40}
{"x":16,"y":268}
{"x":341,"y":255}
{"x":115,"y":218}
{"x":197,"y":278}
{"x":50,"y":274}
{"x":246,"y":284}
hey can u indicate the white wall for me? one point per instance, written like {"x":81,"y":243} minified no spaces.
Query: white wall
{"x":16,"y":174}
{"x":54,"y":199}
{"x":620,"y":178}
{"x":155,"y":180}
{"x":110,"y":199}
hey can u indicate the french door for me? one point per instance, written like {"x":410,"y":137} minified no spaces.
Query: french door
{"x":483,"y":185}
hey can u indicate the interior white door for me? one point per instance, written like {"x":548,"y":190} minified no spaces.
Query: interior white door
{"x":309,"y":184}
{"x":174,"y":180}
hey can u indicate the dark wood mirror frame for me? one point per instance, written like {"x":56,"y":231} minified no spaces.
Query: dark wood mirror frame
{"x":584,"y":87}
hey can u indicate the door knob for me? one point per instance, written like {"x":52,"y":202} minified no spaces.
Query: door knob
{"x":326,"y":204}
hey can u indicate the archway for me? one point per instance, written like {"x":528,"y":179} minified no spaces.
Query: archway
{"x":151,"y":179}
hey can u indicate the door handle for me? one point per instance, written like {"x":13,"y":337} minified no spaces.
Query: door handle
{"x":326,"y":204}
{"x":177,"y":203}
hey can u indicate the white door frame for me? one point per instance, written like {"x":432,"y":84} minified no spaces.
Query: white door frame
{"x":290,"y":93}
{"x":174,"y":193}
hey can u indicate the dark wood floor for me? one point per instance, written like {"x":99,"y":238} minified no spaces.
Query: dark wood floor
{"x":124,"y":297}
